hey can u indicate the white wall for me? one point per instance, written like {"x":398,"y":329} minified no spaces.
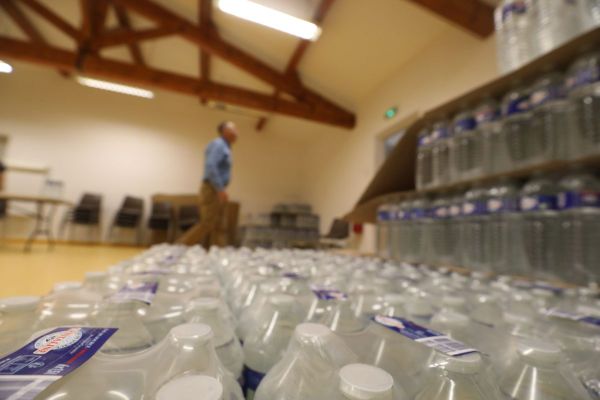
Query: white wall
{"x":341,"y":165}
{"x":116,"y":145}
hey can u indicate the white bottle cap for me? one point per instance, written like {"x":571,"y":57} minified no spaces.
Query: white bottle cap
{"x":309,"y":330}
{"x":191,"y":387}
{"x":539,"y":351}
{"x":365,"y":382}
{"x":23,"y":303}
{"x":466,"y":364}
{"x":67,"y":285}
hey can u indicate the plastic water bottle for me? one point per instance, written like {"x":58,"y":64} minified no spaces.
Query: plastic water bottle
{"x":366,"y":382}
{"x":265,"y":344}
{"x":549,"y":129}
{"x":441,"y":248}
{"x":187,"y":349}
{"x":191,"y":387}
{"x":456,"y":221}
{"x":582,"y":83}
{"x":513,"y":150}
{"x":132,"y":335}
{"x":311,"y":362}
{"x":487,"y":115}
{"x":405,"y":232}
{"x":556,"y":22}
{"x":504,"y":230}
{"x":384,"y":220}
{"x":515,"y":21}
{"x":228,"y":348}
{"x":535,"y":374}
{"x":541,"y":226}
{"x":463,"y":151}
{"x":17,"y":316}
{"x":424,"y":178}
{"x":441,"y":136}
{"x":476,"y":217}
{"x":418,"y":215}
{"x":396,"y":215}
{"x":579,"y":202}
{"x":462,"y":377}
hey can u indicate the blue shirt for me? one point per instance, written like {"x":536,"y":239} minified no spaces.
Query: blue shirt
{"x":217,"y":163}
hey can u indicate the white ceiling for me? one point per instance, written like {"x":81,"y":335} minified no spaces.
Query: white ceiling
{"x":363,"y":43}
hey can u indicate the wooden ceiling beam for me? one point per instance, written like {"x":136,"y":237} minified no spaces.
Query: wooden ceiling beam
{"x":206,"y":25}
{"x":22,"y":21}
{"x":93,"y":65}
{"x":53,"y":18}
{"x":125,"y":23}
{"x":473,"y":15}
{"x":122,"y":36}
{"x":218,"y":47}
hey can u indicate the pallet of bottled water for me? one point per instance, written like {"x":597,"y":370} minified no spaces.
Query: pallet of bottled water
{"x":178,"y":323}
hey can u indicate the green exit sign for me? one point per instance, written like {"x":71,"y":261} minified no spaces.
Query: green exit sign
{"x":391,"y":112}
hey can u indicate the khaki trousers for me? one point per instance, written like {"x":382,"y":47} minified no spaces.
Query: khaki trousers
{"x":205,"y":232}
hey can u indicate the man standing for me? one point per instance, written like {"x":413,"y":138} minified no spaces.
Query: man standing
{"x":217,"y":173}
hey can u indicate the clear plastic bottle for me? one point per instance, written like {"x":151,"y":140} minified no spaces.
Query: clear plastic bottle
{"x":186,"y":349}
{"x":441,"y":248}
{"x":17,"y":316}
{"x":462,"y":377}
{"x":394,"y":227}
{"x":515,"y":21}
{"x":475,"y":224}
{"x":455,"y":228}
{"x":557,"y":21}
{"x":208,"y":311}
{"x":265,"y":344}
{"x":418,"y":220}
{"x":541,"y":226}
{"x":549,"y":129}
{"x":535,"y":374}
{"x":579,"y":202}
{"x":311,"y":362}
{"x":504,"y":230}
{"x":513,"y":146}
{"x":405,"y":231}
{"x":487,"y":116}
{"x":384,"y":218}
{"x":424,"y":168}
{"x":132,"y":335}
{"x":583,"y":80}
{"x":441,"y":136}
{"x":463,"y":149}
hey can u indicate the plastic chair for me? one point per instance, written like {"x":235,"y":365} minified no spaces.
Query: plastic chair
{"x":86,"y":212}
{"x":188,"y":217}
{"x":129,"y":216}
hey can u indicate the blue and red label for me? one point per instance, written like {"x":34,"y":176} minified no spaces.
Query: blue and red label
{"x":327,"y":294}
{"x":497,"y":206}
{"x":28,"y":371}
{"x":568,"y":200}
{"x":430,"y":338}
{"x":539,"y":203}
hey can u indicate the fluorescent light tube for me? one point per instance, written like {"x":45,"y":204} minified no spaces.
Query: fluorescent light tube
{"x":115,"y":87}
{"x":5,"y":68}
{"x":270,"y":17}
